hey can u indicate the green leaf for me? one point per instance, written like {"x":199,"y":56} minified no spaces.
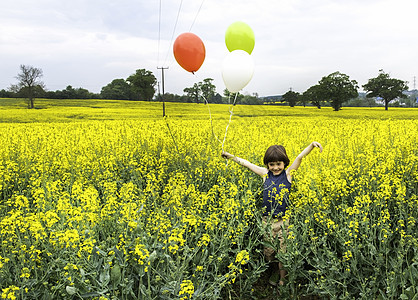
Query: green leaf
{"x":71,"y":290}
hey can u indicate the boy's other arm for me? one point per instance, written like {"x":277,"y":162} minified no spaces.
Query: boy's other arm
{"x":296,"y":163}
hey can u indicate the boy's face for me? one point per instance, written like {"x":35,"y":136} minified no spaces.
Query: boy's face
{"x":276,"y":167}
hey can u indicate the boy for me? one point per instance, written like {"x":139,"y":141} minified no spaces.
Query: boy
{"x":277,"y":181}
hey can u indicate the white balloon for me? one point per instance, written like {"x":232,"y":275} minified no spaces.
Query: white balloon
{"x":237,"y":70}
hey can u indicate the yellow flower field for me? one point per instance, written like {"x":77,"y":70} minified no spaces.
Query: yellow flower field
{"x":108,"y":200}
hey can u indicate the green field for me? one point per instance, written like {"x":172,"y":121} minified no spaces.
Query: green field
{"x":66,"y":110}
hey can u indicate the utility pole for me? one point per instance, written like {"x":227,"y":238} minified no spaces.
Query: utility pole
{"x":162,"y":73}
{"x":415,"y":101}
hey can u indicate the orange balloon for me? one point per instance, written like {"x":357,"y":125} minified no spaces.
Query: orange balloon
{"x":189,"y":51}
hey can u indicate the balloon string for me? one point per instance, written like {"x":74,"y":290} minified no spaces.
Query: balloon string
{"x":210,"y":114}
{"x":210,"y":119}
{"x":231,"y":112}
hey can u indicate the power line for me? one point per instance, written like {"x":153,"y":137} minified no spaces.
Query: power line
{"x":159,"y":37}
{"x":168,"y":51}
{"x":162,"y":68}
{"x":201,"y":4}
{"x":174,"y":28}
{"x":174,"y":31}
{"x":159,"y":33}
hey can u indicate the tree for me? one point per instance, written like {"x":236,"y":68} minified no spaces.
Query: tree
{"x":6,"y":94}
{"x":217,"y":98}
{"x":208,"y":89}
{"x":251,"y":99}
{"x":83,"y":93}
{"x":385,"y":87}
{"x":205,"y":90}
{"x":168,"y":97}
{"x":233,"y":97}
{"x":303,"y":100}
{"x":71,"y":93}
{"x":337,"y":88}
{"x":142,"y":85}
{"x":118,"y":89}
{"x":291,"y":97}
{"x":29,"y":83}
{"x":193,"y":92}
{"x":314,"y":95}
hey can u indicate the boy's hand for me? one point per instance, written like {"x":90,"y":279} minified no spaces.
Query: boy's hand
{"x":226,"y":155}
{"x":318,"y":145}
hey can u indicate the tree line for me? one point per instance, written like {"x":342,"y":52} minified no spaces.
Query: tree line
{"x":337,"y":88}
{"x":334,"y":90}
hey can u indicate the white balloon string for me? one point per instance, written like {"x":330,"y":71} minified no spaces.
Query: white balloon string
{"x":210,"y":114}
{"x":211,"y":125}
{"x":231,"y":109}
{"x":231,"y":112}
{"x":210,"y":119}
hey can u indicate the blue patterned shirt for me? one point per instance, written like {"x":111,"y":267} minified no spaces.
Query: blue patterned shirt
{"x":276,"y":194}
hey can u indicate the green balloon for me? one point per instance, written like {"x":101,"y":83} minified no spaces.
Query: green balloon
{"x":239,"y":36}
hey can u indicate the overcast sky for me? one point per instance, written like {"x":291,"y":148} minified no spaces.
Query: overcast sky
{"x":88,"y":43}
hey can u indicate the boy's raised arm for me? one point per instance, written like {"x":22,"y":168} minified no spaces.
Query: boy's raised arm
{"x":296,"y":163}
{"x":256,"y":169}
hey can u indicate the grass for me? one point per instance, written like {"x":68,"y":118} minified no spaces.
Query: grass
{"x":50,"y":110}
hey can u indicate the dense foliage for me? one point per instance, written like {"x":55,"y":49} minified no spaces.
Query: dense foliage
{"x":385,"y":87}
{"x":334,"y":90}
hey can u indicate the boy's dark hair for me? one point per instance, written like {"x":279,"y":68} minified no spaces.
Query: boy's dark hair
{"x":276,"y":153}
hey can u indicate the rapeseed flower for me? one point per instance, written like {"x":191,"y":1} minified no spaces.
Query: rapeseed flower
{"x":84,"y":196}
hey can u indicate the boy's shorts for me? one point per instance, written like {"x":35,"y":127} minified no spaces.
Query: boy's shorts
{"x":277,"y":226}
